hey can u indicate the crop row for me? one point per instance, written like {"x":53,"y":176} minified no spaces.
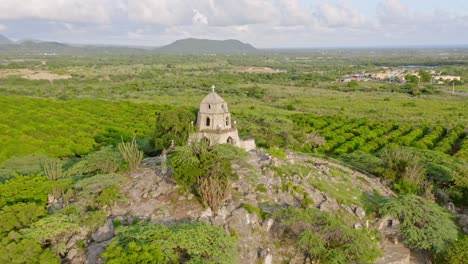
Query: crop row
{"x":347,"y":135}
{"x":68,"y":128}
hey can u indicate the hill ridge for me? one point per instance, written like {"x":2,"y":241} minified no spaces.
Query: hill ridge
{"x":207,"y":46}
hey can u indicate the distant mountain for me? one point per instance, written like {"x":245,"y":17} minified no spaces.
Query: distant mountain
{"x":207,"y":46}
{"x":5,"y":40}
{"x":39,"y":47}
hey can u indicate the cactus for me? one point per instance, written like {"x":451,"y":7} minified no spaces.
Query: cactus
{"x":131,"y":154}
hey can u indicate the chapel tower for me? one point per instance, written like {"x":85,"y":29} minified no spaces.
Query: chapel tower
{"x":214,"y":124}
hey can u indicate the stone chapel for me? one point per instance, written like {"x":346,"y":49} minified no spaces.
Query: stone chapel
{"x":214,"y":124}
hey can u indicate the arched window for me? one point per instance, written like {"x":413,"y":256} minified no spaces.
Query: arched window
{"x":208,"y":121}
{"x":227,"y":120}
{"x":209,"y":106}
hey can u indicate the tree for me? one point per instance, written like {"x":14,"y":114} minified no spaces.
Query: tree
{"x":425,"y":75}
{"x":423,"y":224}
{"x":172,"y":125}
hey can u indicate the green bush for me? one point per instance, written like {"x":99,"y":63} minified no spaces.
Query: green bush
{"x":106,"y":160}
{"x":423,"y":224}
{"x":109,"y":195}
{"x":180,"y":243}
{"x":27,"y":165}
{"x":25,"y":189}
{"x":20,"y":251}
{"x":277,"y":153}
{"x":321,"y":237}
{"x":172,"y":125}
{"x":198,"y":168}
{"x":457,"y":253}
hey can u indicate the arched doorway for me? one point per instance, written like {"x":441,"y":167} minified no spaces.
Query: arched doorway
{"x":230,"y":140}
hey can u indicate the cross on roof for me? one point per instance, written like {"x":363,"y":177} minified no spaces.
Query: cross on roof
{"x":212,"y":88}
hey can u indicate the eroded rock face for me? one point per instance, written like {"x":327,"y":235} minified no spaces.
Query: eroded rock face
{"x":104,"y":232}
{"x":94,"y":251}
{"x":239,"y":221}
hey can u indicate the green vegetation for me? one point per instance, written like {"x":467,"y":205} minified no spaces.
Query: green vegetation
{"x":69,"y":130}
{"x":457,"y":254}
{"x":262,"y":215}
{"x":198,"y":168}
{"x":172,"y":125}
{"x":131,"y":154}
{"x":321,"y":237}
{"x":180,"y":243}
{"x":423,"y":224}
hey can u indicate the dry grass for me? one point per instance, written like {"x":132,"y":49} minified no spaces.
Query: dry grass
{"x":33,"y":74}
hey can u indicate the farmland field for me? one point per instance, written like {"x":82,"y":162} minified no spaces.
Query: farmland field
{"x":413,"y":136}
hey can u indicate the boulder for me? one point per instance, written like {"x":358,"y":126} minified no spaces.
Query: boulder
{"x":357,"y":226}
{"x":359,"y":212}
{"x":329,"y":205}
{"x":239,"y":221}
{"x":104,"y":232}
{"x":267,"y":224}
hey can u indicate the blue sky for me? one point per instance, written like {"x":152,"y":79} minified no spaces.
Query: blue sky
{"x":263,"y":23}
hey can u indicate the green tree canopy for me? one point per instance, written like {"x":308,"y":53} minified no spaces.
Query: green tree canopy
{"x":423,"y":224}
{"x":172,"y":125}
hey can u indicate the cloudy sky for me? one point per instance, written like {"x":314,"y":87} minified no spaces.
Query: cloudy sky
{"x":263,"y":23}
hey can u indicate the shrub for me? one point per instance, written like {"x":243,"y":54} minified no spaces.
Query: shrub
{"x":321,"y":237}
{"x":27,"y":165}
{"x":172,"y":125}
{"x":180,"y":243}
{"x":53,"y":169}
{"x":277,"y":153}
{"x":457,"y":253}
{"x":423,"y":224}
{"x":109,"y":195}
{"x":131,"y":154}
{"x":198,"y":168}
{"x":106,"y":160}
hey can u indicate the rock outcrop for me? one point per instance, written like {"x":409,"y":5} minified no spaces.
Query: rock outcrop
{"x":152,"y":195}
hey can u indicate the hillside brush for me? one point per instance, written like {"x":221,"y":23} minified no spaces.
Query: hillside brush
{"x":131,"y":154}
{"x":53,"y":169}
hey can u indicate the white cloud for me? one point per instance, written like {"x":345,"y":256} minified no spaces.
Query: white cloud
{"x":217,"y":13}
{"x":338,"y":15}
{"x":199,"y":18}
{"x":96,"y":11}
{"x":392,"y":12}
{"x":2,"y":27}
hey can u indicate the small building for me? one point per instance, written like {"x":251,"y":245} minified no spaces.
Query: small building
{"x":215,"y":126}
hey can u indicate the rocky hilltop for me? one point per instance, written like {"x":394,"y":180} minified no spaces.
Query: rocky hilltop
{"x":264,"y":186}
